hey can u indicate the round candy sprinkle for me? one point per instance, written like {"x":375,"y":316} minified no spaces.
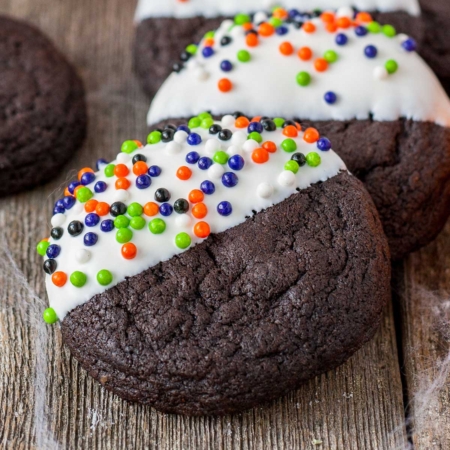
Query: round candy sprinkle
{"x":225,"y":135}
{"x":313,"y":159}
{"x":236,"y":162}
{"x":371,"y":51}
{"x":270,"y":146}
{"x":292,"y":166}
{"x":59,"y":279}
{"x":330,"y":97}
{"x":92,"y":219}
{"x":121,"y":221}
{"x":58,"y":220}
{"x":53,"y":251}
{"x":122,"y":158}
{"x":118,"y":209}
{"x":220,"y":157}
{"x":75,"y":228}
{"x":199,"y":211}
{"x":303,"y":78}
{"x":216,"y":171}
{"x":82,"y":255}
{"x":154,"y":171}
{"x":226,"y":40}
{"x":380,"y":73}
{"x":194,"y":122}
{"x":157,"y":226}
{"x":206,"y":123}
{"x":389,"y":31}
{"x":135,"y":209}
{"x":181,"y":206}
{"x":100,"y":186}
{"x":214,"y":129}
{"x":260,"y":155}
{"x":90,"y":205}
{"x":224,"y":208}
{"x":151,"y":209}
{"x":104,"y":277}
{"x":107,"y":225}
{"x":255,"y":136}
{"x":84,"y":194}
{"x":139,"y":168}
{"x":324,"y":144}
{"x":49,"y":316}
{"x":72,"y":186}
{"x":208,"y":187}
{"x":138,"y":157}
{"x":69,"y":201}
{"x":90,"y":239}
{"x":202,"y":230}
{"x":243,"y":56}
{"x":289,"y":145}
{"x":196,"y":196}
{"x":124,"y":235}
{"x":83,"y":171}
{"x":290,"y":131}
{"x":255,"y":127}
{"x":166,"y":209}
{"x":154,"y":137}
{"x":50,"y":266}
{"x":207,"y":52}
{"x":225,"y":85}
{"x":374,"y":27}
{"x":194,"y":139}
{"x":122,"y":183}
{"x":109,"y":170}
{"x":87,"y":178}
{"x":286,"y":48}
{"x":129,"y":146}
{"x":204,"y":163}
{"x":56,"y":233}
{"x":286,"y":178}
{"x":102,"y":209}
{"x":226,"y":66}
{"x":311,"y":135}
{"x":182,"y":240}
{"x":330,"y":56}
{"x":305,"y":53}
{"x":143,"y":182}
{"x":129,"y":250}
{"x":162,"y":195}
{"x":78,"y":279}
{"x":391,"y":66}
{"x":192,"y":157}
{"x":137,"y":223}
{"x":321,"y":64}
{"x":264,"y":190}
{"x":121,"y":170}
{"x":410,"y":45}
{"x":167,"y":135}
{"x":268,"y":125}
{"x":229,"y":179}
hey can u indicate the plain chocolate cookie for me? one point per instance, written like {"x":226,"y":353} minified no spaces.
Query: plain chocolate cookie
{"x":247,"y":315}
{"x":43,"y":116}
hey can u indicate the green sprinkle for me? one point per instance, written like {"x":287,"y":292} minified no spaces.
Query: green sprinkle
{"x":42,"y":247}
{"x":50,"y":316}
{"x":182,"y":240}
{"x":303,"y":78}
{"x":220,"y":157}
{"x":389,"y":31}
{"x":192,"y":49}
{"x":330,"y":56}
{"x":204,"y":115}
{"x":78,"y":279}
{"x":104,"y":277}
{"x":121,"y":222}
{"x":210,"y":34}
{"x":240,"y":19}
{"x":276,"y":22}
{"x":109,"y":170}
{"x":135,"y":209}
{"x":84,"y":194}
{"x":289,"y":145}
{"x":124,"y":235}
{"x":243,"y":56}
{"x":206,"y":123}
{"x":255,"y":136}
{"x":279,"y":122}
{"x":157,"y":226}
{"x":137,"y":223}
{"x":374,"y":27}
{"x":154,"y":137}
{"x":129,"y":147}
{"x":194,"y":122}
{"x":313,"y":159}
{"x":391,"y":66}
{"x":292,"y":166}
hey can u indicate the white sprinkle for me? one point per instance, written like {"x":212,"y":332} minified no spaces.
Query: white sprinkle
{"x":227,"y":121}
{"x":239,"y":138}
{"x":234,"y":150}
{"x":345,"y":11}
{"x":201,"y":74}
{"x":237,"y":32}
{"x":192,"y":64}
{"x":286,"y":178}
{"x":402,"y":37}
{"x":172,"y":148}
{"x":82,"y":255}
{"x":58,"y":220}
{"x":212,"y":146}
{"x":250,"y":145}
{"x":121,"y":195}
{"x":216,"y":171}
{"x":77,"y":208}
{"x":180,"y":136}
{"x":264,"y":190}
{"x":123,"y":158}
{"x":183,"y":220}
{"x":380,"y":73}
{"x":260,"y":17}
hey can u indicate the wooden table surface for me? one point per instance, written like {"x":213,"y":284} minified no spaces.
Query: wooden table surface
{"x":47,"y":401}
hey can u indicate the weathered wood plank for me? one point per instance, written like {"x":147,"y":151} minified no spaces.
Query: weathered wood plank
{"x":358,"y":406}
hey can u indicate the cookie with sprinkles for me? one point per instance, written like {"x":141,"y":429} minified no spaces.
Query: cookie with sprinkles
{"x":44,"y":118}
{"x":359,"y":82}
{"x":217,"y":267}
{"x":164,"y":29}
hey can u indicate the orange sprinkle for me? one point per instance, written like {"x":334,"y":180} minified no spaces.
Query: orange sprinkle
{"x":298,"y":126}
{"x":305,"y":53}
{"x":321,"y":65}
{"x":311,"y":135}
{"x":67,"y":192}
{"x":138,"y":143}
{"x":309,"y":27}
{"x":151,"y":209}
{"x":252,"y":40}
{"x":209,"y":42}
{"x":343,"y":22}
{"x":331,"y":27}
{"x":90,"y":205}
{"x":199,"y":210}
{"x":260,"y":155}
{"x":102,"y":208}
{"x":266,"y":29}
{"x":256,"y":119}
{"x":184,"y":173}
{"x":122,"y":183}
{"x":247,"y":26}
{"x":196,"y":196}
{"x":83,"y":171}
{"x":140,"y":168}
{"x":241,"y":122}
{"x":128,"y":250}
{"x":75,"y":191}
{"x":202,"y":230}
{"x":59,"y":279}
{"x":121,"y":170}
{"x":280,"y":13}
{"x":286,"y":48}
{"x":364,"y":17}
{"x":270,"y":146}
{"x":327,"y":17}
{"x":290,"y":131}
{"x":224,"y":85}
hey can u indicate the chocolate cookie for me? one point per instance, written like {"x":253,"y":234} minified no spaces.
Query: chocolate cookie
{"x":364,"y":86}
{"x":207,"y":273}
{"x":164,"y":29}
{"x":43,"y":119}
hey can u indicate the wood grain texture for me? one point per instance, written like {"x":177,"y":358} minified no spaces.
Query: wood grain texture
{"x":48,"y":401}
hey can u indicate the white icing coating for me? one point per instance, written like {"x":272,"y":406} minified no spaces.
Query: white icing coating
{"x":257,"y":190}
{"x":214,"y":8}
{"x":267,"y":84}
